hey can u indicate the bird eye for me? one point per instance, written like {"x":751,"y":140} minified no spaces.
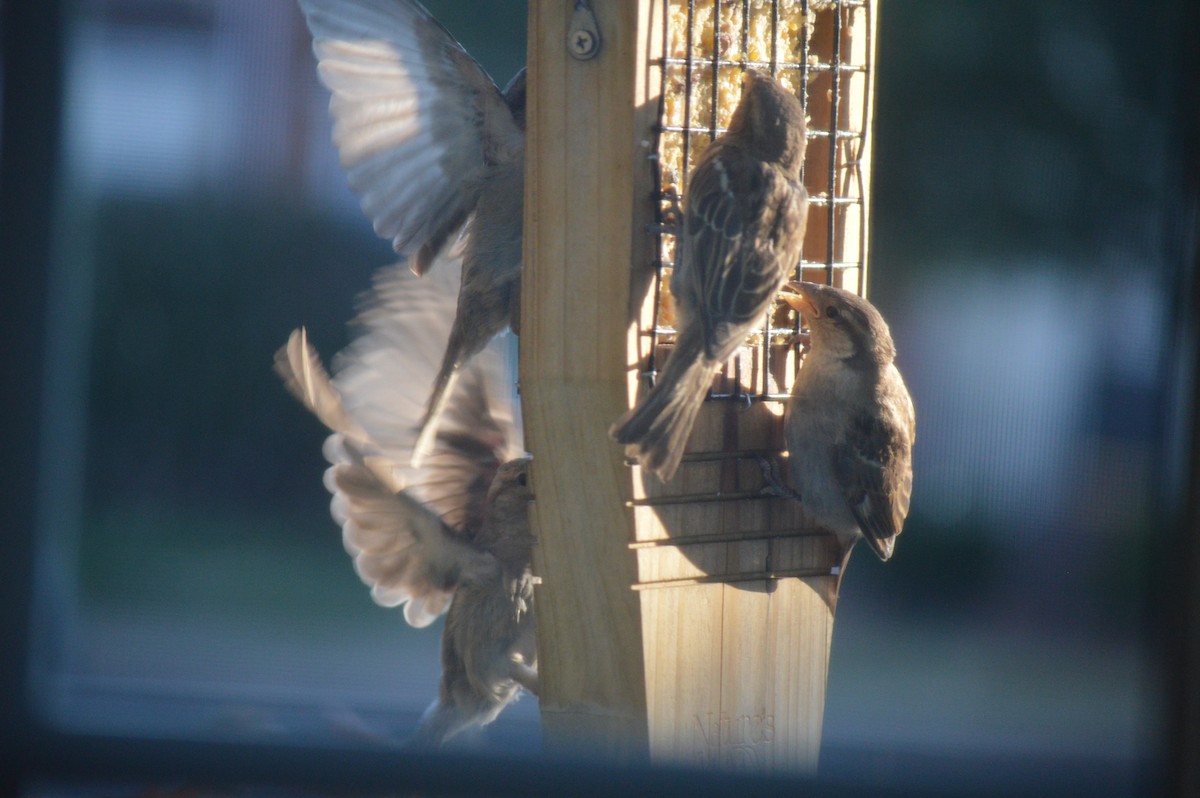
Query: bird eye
{"x":831,"y":312}
{"x":522,"y":479}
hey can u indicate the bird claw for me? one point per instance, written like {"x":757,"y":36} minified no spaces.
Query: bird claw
{"x":773,"y":484}
{"x":520,"y":591}
{"x":672,"y":216}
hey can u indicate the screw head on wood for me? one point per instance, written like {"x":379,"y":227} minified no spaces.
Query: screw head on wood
{"x":583,"y":42}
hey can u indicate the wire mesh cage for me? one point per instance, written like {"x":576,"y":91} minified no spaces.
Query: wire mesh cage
{"x":822,"y":51}
{"x":715,"y":536}
{"x":819,"y":49}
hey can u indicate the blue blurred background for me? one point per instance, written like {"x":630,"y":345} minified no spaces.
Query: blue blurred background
{"x":1030,"y":231}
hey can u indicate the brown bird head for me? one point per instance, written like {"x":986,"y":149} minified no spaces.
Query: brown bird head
{"x":506,"y":532}
{"x":769,"y":122}
{"x":842,"y":323}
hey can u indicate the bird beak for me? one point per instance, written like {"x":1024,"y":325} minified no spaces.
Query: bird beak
{"x":800,"y":297}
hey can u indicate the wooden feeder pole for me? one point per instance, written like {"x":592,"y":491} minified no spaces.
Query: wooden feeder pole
{"x":689,"y":621}
{"x":587,"y":196}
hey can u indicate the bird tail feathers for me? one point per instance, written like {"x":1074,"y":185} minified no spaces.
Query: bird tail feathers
{"x":440,"y":722}
{"x":656,"y":430}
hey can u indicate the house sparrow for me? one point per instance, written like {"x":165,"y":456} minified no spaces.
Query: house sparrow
{"x":743,"y":227}
{"x":434,"y":150}
{"x":850,"y":425}
{"x":454,"y":528}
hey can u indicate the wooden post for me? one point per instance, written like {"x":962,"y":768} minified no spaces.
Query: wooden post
{"x":588,"y":196}
{"x":692,"y":620}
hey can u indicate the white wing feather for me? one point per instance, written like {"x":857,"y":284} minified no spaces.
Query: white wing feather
{"x":407,"y":115}
{"x":410,"y":531}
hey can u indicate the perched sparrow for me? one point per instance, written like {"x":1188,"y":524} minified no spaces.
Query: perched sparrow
{"x":454,"y":528}
{"x":850,"y":424}
{"x":430,"y":144}
{"x":743,"y":226}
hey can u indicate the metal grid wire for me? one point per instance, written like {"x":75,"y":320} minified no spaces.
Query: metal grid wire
{"x":707,"y":45}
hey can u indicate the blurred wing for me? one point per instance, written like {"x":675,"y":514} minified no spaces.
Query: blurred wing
{"x":401,"y":549}
{"x":744,"y":223}
{"x":384,"y":376}
{"x":300,"y":368}
{"x":874,"y":467}
{"x":410,"y":113}
{"x":409,"y":530}
{"x":479,"y":431}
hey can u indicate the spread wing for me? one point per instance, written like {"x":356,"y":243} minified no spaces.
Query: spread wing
{"x":744,"y":225}
{"x":874,"y":467}
{"x":385,"y":373}
{"x":479,"y":431}
{"x":410,"y":531}
{"x":415,"y":118}
{"x":402,"y":550}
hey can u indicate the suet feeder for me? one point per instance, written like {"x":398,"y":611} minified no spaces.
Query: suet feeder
{"x":687,"y":621}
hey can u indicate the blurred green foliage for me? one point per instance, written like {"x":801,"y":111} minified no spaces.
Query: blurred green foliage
{"x":192,"y":299}
{"x":203,"y":474}
{"x":1024,"y":130}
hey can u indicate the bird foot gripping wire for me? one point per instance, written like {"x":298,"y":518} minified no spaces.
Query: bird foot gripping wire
{"x":672,"y":217}
{"x":773,"y":484}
